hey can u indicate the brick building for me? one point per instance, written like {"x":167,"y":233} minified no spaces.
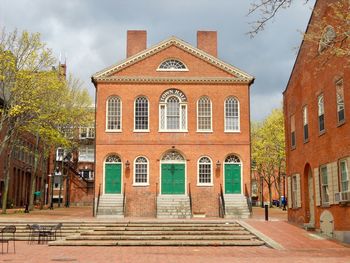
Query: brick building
{"x":172,"y":129}
{"x":318,"y":132}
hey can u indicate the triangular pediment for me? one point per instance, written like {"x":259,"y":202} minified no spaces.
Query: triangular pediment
{"x":230,"y":73}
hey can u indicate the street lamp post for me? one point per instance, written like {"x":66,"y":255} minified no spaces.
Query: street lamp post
{"x":51,"y":176}
{"x":262,"y":191}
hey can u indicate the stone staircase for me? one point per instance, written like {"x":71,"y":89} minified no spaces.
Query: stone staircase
{"x":236,"y":206}
{"x":173,"y":206}
{"x":161,"y":233}
{"x":110,"y":206}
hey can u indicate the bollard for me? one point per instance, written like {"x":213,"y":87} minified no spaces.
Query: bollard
{"x":266,"y":212}
{"x":27,"y":209}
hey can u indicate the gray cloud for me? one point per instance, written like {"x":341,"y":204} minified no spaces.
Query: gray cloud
{"x":92,"y":34}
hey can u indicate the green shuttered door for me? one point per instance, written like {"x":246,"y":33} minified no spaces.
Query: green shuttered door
{"x":173,"y":178}
{"x":233,"y":178}
{"x":113,"y":178}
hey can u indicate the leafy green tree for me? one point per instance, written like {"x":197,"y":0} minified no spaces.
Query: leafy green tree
{"x":37,"y":100}
{"x":268,"y":154}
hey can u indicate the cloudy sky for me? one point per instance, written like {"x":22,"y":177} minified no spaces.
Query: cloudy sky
{"x":91,"y":34}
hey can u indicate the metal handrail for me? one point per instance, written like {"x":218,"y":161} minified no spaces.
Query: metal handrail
{"x":190,"y":196}
{"x":98,"y":198}
{"x":155,"y":200}
{"x":222,"y":202}
{"x":124,"y":199}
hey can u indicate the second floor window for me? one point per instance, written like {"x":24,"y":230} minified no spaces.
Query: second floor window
{"x":344,"y":173}
{"x":340,"y":101}
{"x":113,"y":114}
{"x":305,"y":124}
{"x":141,"y":114}
{"x":321,"y":113}
{"x":292,"y":131}
{"x":232,"y":115}
{"x":204,"y":114}
{"x":324,"y":185}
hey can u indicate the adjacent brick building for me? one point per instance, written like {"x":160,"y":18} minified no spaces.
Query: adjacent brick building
{"x":318,"y":132}
{"x":172,"y":121}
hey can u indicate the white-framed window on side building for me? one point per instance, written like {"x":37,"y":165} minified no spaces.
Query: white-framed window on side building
{"x":340,"y":101}
{"x":204,"y":113}
{"x":141,"y":171}
{"x":114,"y":114}
{"x":324,"y":185}
{"x":141,"y":114}
{"x":305,"y":124}
{"x":205,"y":171}
{"x":86,"y":153}
{"x":232,"y":121}
{"x":292,"y":132}
{"x":321,"y":124}
{"x":87,"y":133}
{"x":344,"y":175}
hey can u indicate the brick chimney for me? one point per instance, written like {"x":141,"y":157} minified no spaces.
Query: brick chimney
{"x":207,"y":41}
{"x":136,"y":42}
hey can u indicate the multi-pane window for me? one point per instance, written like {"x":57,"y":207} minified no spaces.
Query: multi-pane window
{"x":294,"y":192}
{"x":344,"y":173}
{"x":231,"y":114}
{"x":292,"y":131}
{"x":173,"y":114}
{"x":60,"y":152}
{"x":340,"y":101}
{"x":204,"y":171}
{"x":114,"y":114}
{"x":141,"y":114}
{"x":172,"y":64}
{"x":141,"y":171}
{"x":204,"y":114}
{"x":324,"y":185}
{"x":86,"y":153}
{"x":321,"y":113}
{"x":87,"y":133}
{"x":305,"y":124}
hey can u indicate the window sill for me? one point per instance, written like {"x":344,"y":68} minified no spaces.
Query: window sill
{"x":204,"y":185}
{"x":172,"y":131}
{"x":139,"y":185}
{"x":113,"y":131}
{"x":293,"y":148}
{"x":306,"y":141}
{"x":325,"y":205}
{"x":238,"y":131}
{"x":141,"y":131}
{"x":322,"y":133}
{"x":341,"y":123}
{"x":205,"y":131}
{"x":167,"y":70}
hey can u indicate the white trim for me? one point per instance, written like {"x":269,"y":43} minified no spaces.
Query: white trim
{"x":148,"y":110}
{"x":239,"y":115}
{"x":134,"y":173}
{"x":106,"y":115}
{"x":172,"y":58}
{"x":211,"y":172}
{"x":121,"y":175}
{"x":165,"y":115}
{"x":211,"y":115}
{"x":241,"y":164}
{"x":167,"y":70}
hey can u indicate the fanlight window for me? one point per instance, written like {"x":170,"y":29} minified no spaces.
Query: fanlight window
{"x":172,"y":64}
{"x":173,"y":156}
{"x":113,"y":159}
{"x":232,"y":159}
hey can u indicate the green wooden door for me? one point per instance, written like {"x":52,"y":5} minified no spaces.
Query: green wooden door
{"x":233,"y":179}
{"x":113,"y":178}
{"x":173,"y":178}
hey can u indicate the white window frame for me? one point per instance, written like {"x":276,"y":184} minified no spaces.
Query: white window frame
{"x":347,"y":181}
{"x":172,"y":69}
{"x":305,"y":123}
{"x":239,"y":116}
{"x":339,"y":85}
{"x":121,"y":115}
{"x":324,"y":187}
{"x":134,"y":174}
{"x":86,"y":153}
{"x":320,"y":112}
{"x":211,"y":171}
{"x":89,"y":132}
{"x":294,"y":191}
{"x":181,"y":105}
{"x":211,"y":115}
{"x":148,"y":110}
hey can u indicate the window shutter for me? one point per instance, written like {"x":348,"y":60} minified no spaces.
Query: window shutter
{"x":289,"y":181}
{"x":334,"y":180}
{"x":298,"y":191}
{"x":330,"y":183}
{"x":317,"y":187}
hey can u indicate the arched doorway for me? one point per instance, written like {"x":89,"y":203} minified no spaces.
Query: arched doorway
{"x":310,"y":187}
{"x":233,"y":175}
{"x":113,"y":175}
{"x":173,"y":169}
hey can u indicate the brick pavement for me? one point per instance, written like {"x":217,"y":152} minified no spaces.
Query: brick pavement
{"x":299,"y":245}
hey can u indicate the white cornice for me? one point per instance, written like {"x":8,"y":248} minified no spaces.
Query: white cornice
{"x":237,"y":73}
{"x":138,"y":79}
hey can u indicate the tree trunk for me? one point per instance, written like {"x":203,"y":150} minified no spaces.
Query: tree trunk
{"x":42,"y":182}
{"x":34,"y":174}
{"x":7,"y":163}
{"x":270,"y":194}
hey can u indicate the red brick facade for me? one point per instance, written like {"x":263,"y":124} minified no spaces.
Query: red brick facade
{"x":316,"y":165}
{"x":205,"y":76}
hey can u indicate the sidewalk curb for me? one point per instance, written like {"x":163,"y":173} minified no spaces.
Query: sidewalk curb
{"x":269,"y":242}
